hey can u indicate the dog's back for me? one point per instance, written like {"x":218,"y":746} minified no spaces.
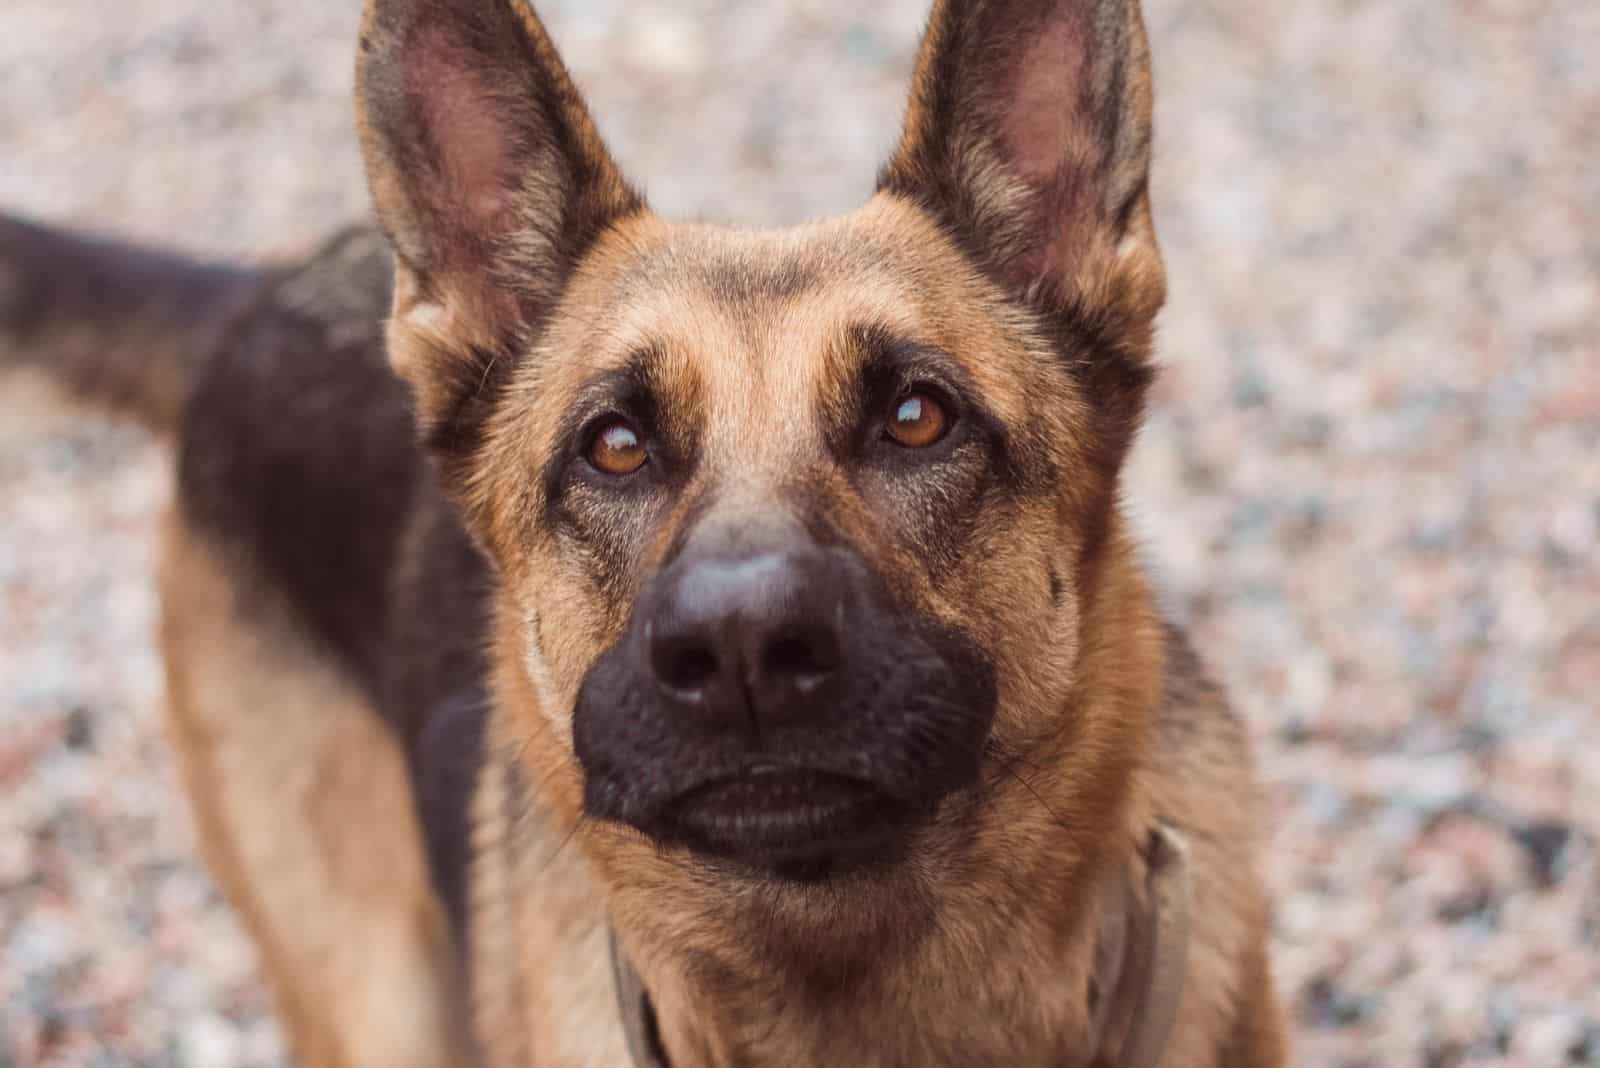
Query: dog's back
{"x":294,"y":439}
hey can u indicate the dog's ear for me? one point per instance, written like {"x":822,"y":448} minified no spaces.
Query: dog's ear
{"x":1028,"y":135}
{"x":490,"y":179}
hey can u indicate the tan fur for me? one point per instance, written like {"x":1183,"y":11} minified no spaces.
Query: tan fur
{"x":305,"y":817}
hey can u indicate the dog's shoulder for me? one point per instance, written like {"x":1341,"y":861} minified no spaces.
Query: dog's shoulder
{"x":1202,"y":782}
{"x":1202,"y":772}
{"x":296,"y":448}
{"x":1194,"y":707}
{"x":298,"y":457}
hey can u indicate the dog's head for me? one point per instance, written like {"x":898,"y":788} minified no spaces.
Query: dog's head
{"x":796,"y":530}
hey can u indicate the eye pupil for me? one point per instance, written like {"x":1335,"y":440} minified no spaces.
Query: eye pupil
{"x":918,"y":421}
{"x":617,"y":450}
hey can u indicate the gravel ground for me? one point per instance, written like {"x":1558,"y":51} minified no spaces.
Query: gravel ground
{"x":1371,"y":479}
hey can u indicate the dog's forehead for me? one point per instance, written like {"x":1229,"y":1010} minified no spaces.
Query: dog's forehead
{"x":776,"y":314}
{"x":762,"y":284}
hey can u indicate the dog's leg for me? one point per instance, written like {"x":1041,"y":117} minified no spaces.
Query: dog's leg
{"x":306,"y":819}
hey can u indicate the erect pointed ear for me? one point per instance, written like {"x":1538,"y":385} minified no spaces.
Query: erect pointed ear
{"x":1028,"y":135}
{"x":491,"y":181}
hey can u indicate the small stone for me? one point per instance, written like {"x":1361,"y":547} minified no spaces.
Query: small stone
{"x":211,"y":1040}
{"x":1549,"y":1039}
{"x":1325,"y":1003}
{"x":1438,"y":784}
{"x":79,"y":731}
{"x":666,"y":44}
{"x":1547,"y":845}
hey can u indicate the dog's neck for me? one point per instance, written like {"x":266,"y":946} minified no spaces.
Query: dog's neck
{"x":1136,"y":984}
{"x":980,"y":948}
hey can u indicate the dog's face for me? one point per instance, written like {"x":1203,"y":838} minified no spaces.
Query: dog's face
{"x":794,"y":530}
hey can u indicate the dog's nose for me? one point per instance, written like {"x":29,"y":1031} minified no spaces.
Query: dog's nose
{"x":744,"y":643}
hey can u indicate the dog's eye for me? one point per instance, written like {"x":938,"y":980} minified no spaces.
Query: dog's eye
{"x":616,"y":449}
{"x":917,"y":421}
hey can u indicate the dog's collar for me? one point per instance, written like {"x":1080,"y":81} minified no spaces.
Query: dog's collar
{"x":1140,"y":959}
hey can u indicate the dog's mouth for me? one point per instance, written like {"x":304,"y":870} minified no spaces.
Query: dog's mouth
{"x":795,"y":823}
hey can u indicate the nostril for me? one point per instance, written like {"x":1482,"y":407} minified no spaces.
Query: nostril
{"x":685,"y":666}
{"x":802,"y":657}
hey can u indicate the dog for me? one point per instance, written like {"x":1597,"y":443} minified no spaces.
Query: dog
{"x":594,"y":640}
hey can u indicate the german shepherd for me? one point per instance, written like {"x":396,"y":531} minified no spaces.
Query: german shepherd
{"x":594,"y":640}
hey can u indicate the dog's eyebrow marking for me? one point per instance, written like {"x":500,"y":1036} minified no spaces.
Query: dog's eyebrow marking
{"x":620,"y":387}
{"x":888,"y":352}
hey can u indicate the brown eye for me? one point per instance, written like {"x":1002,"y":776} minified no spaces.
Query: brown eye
{"x":917,"y":421}
{"x":617,"y":450}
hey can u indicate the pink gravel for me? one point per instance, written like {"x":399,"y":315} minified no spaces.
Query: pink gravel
{"x":1371,"y":479}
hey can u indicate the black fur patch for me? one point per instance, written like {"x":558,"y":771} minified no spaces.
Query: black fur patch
{"x":298,"y":448}
{"x":299,"y":453}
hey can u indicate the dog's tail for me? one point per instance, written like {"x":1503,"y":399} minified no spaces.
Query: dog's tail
{"x":123,"y":326}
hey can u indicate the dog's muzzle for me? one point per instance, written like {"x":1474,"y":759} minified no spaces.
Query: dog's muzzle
{"x":771,"y":708}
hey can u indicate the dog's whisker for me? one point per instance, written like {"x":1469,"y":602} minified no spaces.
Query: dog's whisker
{"x":1055,"y":816}
{"x":565,"y":841}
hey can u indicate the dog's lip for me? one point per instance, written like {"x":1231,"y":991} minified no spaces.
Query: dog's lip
{"x":773,"y":815}
{"x":773,"y":788}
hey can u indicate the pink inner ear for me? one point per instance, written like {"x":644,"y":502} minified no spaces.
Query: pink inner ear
{"x":1045,"y":140}
{"x":1041,"y":116}
{"x":460,"y":120}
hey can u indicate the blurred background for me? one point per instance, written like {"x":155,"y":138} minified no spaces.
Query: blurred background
{"x":1370,"y":480}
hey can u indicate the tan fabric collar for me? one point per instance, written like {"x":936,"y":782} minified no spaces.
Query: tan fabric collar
{"x":1133,"y":1024}
{"x":638,"y":1014}
{"x":1140,"y":959}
